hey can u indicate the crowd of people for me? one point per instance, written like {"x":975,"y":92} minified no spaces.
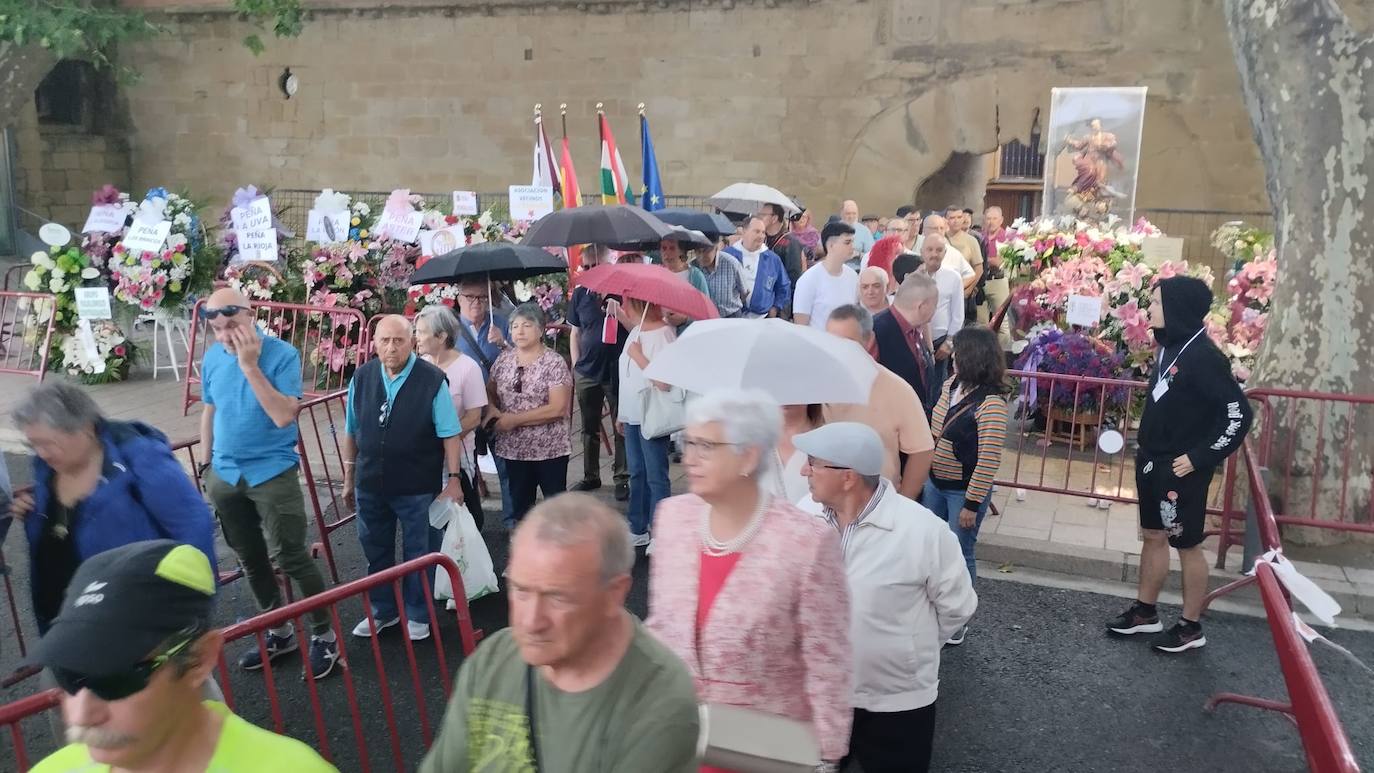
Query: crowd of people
{"x":819,"y":560}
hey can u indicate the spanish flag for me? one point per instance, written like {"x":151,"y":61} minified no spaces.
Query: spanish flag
{"x":572,"y":197}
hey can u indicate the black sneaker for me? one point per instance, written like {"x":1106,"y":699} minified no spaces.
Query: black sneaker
{"x":1180,"y":637}
{"x":323,"y":656}
{"x":586,"y":484}
{"x":622,"y":492}
{"x":276,"y":647}
{"x":1135,"y":620}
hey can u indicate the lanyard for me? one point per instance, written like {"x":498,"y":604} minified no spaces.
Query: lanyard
{"x":1160,"y":376}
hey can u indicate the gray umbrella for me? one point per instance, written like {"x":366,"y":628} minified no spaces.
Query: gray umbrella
{"x":709,"y":223}
{"x":596,"y":224}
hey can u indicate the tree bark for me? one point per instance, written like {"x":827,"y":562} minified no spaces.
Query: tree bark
{"x":21,"y":70}
{"x":1306,"y":77}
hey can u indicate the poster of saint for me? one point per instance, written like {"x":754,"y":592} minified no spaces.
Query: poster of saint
{"x":1093,"y":152}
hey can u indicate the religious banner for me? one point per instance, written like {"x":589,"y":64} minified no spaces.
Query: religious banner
{"x":1093,"y":152}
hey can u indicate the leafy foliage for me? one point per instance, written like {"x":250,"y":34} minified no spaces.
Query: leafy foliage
{"x":285,"y":16}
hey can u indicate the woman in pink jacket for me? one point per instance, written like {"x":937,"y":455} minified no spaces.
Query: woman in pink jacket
{"x":748,"y":590}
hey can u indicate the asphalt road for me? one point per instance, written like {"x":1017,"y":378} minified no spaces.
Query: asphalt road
{"x":1037,"y":687}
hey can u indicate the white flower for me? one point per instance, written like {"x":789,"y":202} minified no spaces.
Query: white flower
{"x":90,"y":272}
{"x":330,"y":200}
{"x":42,"y":259}
{"x":485,"y":220}
{"x":56,"y":285}
{"x":33,"y":281}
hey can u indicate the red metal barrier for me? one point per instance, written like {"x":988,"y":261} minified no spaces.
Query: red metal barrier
{"x":26,"y":328}
{"x":385,"y":689}
{"x":319,"y":423}
{"x":332,"y":341}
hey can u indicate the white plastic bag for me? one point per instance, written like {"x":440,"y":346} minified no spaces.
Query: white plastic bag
{"x":463,"y":543}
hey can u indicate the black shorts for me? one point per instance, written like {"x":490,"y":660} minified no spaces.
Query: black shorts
{"x":1172,"y":504}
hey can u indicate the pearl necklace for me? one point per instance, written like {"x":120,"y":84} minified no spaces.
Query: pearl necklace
{"x":715,"y":547}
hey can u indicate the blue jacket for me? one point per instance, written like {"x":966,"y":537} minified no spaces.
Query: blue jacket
{"x":772,"y":288}
{"x":143,"y":494}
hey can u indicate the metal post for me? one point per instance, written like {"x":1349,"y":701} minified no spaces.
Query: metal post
{"x":9,"y":223}
{"x":1253,"y":547}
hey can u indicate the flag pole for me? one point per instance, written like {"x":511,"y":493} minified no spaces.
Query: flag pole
{"x":563,"y":113}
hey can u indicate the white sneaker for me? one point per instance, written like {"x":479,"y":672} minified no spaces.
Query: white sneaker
{"x":640,"y":540}
{"x":649,"y":548}
{"x":417,"y":631}
{"x":364,"y":630}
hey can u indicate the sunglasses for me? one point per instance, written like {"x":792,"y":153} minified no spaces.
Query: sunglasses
{"x":519,"y":379}
{"x":227,"y":311}
{"x":116,"y":687}
{"x":385,"y":414}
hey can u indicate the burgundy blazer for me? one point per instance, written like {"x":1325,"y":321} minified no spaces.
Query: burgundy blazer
{"x":777,"y":636}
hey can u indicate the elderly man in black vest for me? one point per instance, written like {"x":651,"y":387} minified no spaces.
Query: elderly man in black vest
{"x":902,"y":336}
{"x":400,"y":449}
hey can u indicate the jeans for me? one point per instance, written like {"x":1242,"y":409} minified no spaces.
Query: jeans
{"x":947,"y":505}
{"x":507,"y":504}
{"x":647,"y":459}
{"x":266,"y":524}
{"x":892,"y":741}
{"x":378,"y":516}
{"x":526,"y":478}
{"x":591,"y":395}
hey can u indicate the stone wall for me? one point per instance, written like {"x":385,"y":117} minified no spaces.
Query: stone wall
{"x":58,"y":167}
{"x":824,"y":98}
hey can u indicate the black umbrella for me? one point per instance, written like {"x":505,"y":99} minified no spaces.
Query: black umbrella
{"x":595,"y":224}
{"x":709,"y":223}
{"x":688,"y":238}
{"x":502,"y":261}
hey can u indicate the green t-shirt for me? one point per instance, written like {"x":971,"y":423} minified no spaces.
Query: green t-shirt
{"x":242,"y":748}
{"x":641,"y":719}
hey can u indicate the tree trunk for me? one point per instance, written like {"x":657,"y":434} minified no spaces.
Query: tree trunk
{"x":1306,"y":76}
{"x":21,"y":69}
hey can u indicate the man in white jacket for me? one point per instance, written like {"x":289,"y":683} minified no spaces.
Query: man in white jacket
{"x":909,"y":592}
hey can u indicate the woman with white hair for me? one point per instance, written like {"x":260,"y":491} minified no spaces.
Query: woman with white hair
{"x":748,"y":590}
{"x":436,"y":339}
{"x":873,"y":282}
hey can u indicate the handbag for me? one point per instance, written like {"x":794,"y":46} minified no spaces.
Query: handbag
{"x":749,"y":741}
{"x":663,"y":412}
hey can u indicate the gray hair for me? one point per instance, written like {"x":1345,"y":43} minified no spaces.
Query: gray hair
{"x":62,"y":406}
{"x":575,"y":519}
{"x":529,"y":312}
{"x":440,"y":320}
{"x":749,"y":417}
{"x":918,"y":286}
{"x":857,"y":313}
{"x":877,"y":271}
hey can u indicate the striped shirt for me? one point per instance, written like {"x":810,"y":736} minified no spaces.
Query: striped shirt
{"x":725,"y":284}
{"x":848,"y":531}
{"x":991,"y":420}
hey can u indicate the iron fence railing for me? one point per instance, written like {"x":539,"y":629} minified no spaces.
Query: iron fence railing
{"x":1018,"y":161}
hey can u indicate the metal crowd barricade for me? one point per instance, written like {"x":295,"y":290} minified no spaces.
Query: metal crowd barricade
{"x":14,"y":274}
{"x":26,"y":327}
{"x":332,"y":341}
{"x":319,"y":423}
{"x":402,"y":710}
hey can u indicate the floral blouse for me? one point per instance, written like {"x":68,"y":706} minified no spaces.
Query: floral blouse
{"x":536,"y":442}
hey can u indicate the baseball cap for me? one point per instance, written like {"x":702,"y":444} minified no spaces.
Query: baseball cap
{"x":845,"y":444}
{"x":124,"y":603}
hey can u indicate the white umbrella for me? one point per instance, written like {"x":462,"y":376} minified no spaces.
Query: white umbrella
{"x":794,"y":364}
{"x":748,"y":197}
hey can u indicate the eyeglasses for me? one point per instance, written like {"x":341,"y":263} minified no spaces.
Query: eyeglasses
{"x":815,"y":465}
{"x":119,"y":686}
{"x":519,"y":379}
{"x":705,"y":448}
{"x":227,"y":311}
{"x":473,"y":298}
{"x":385,"y":415}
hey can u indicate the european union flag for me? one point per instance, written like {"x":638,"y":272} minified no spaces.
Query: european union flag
{"x":653,"y":186}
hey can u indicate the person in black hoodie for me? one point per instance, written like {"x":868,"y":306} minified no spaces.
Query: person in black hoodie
{"x":1195,"y":416}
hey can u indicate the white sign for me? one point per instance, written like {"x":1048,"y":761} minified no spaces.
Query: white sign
{"x":1157,"y":249}
{"x":530,"y":202}
{"x":442,"y":241}
{"x":144,"y":236}
{"x":54,"y":234}
{"x":1084,"y":310}
{"x":105,"y":218}
{"x":326,"y":227}
{"x":402,"y":228}
{"x":464,"y":203}
{"x":93,"y":302}
{"x":257,"y":238}
{"x":87,"y":339}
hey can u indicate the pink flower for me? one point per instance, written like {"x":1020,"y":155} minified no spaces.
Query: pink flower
{"x":1168,"y":269}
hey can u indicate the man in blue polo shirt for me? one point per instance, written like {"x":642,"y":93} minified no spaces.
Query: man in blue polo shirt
{"x":400,"y":449}
{"x":483,"y":336}
{"x":251,"y":384}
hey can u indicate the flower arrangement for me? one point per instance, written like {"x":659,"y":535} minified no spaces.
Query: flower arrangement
{"x":1241,"y":243}
{"x":153,"y":280}
{"x":1054,"y":351}
{"x":420,"y":296}
{"x":1038,"y":245}
{"x":1238,"y":326}
{"x":550,"y":292}
{"x":99,"y":246}
{"x":227,"y":238}
{"x":114,"y":354}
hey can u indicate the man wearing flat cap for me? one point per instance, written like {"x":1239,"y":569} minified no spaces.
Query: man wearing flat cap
{"x":909,"y":593}
{"x":131,"y":649}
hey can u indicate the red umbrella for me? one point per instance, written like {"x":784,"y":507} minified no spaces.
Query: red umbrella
{"x":652,"y":284}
